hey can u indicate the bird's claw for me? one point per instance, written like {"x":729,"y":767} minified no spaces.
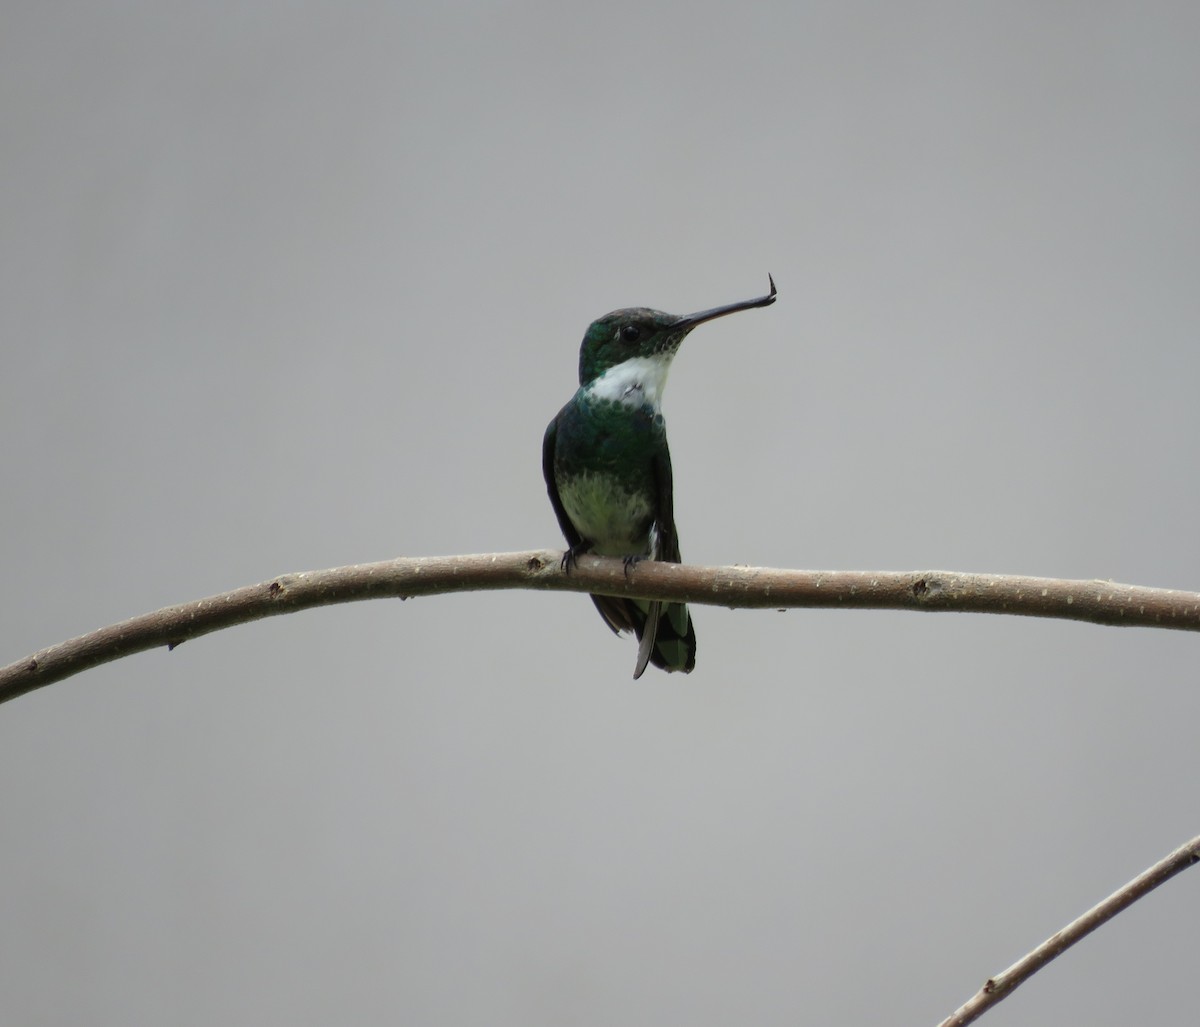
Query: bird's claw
{"x":571,"y":557}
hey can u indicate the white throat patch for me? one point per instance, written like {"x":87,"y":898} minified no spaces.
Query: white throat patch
{"x":639,"y":381}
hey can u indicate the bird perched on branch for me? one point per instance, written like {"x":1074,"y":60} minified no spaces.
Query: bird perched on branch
{"x":608,"y":468}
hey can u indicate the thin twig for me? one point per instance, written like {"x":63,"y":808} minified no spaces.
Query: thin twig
{"x":1101,"y":602}
{"x":997,"y":988}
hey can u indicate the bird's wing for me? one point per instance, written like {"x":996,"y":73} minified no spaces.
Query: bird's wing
{"x":549,"y":440}
{"x":664,"y":514}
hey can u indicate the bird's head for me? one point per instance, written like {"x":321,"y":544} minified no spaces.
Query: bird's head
{"x":639,"y":332}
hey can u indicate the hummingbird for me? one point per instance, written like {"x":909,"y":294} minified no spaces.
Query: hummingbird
{"x":608,"y":468}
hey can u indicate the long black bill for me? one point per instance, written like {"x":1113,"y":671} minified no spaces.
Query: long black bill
{"x":689,"y":321}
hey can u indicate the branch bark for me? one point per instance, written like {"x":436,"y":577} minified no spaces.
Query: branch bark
{"x":1100,"y":602}
{"x":998,"y":988}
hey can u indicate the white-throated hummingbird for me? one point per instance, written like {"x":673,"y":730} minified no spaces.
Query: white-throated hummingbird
{"x":608,"y":468}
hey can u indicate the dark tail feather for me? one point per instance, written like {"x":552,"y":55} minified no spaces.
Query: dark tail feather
{"x":646,"y":638}
{"x":671,"y":642}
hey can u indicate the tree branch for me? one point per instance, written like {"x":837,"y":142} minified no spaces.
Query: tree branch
{"x":1101,"y":602}
{"x":997,"y":988}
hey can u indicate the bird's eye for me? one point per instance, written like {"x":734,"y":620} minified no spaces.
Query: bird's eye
{"x":630,"y":333}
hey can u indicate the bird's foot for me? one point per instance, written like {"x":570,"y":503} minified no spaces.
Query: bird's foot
{"x":629,"y":562}
{"x":571,"y":557}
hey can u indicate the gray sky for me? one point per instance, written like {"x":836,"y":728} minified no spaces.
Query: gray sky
{"x":287,"y":287}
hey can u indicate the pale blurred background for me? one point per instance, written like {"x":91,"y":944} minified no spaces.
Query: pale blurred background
{"x":286,"y":286}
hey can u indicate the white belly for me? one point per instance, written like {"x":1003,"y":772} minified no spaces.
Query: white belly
{"x":606,"y":513}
